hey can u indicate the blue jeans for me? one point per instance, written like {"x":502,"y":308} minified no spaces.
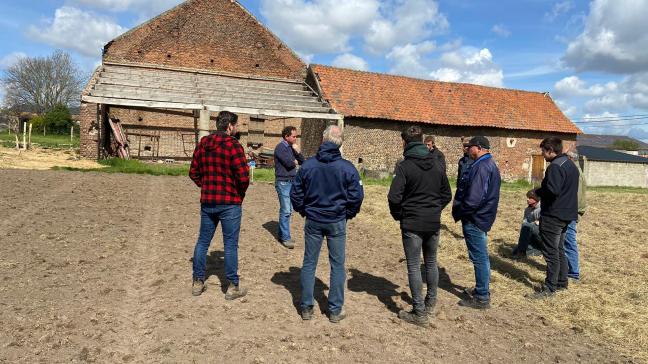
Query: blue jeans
{"x":230,"y":217}
{"x":314,"y":233}
{"x":529,"y":235}
{"x":476,"y":241}
{"x":571,"y":251}
{"x":285,"y":208}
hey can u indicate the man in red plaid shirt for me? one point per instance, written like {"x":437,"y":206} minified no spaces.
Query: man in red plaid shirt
{"x":220,"y":169}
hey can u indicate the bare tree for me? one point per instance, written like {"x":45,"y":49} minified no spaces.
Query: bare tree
{"x":40,"y":83}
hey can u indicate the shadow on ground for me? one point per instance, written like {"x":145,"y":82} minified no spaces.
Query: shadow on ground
{"x":291,"y":281}
{"x":216,"y":266}
{"x":382,"y":288}
{"x":273,"y":228}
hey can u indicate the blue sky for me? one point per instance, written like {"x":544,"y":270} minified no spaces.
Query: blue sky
{"x":591,"y":56}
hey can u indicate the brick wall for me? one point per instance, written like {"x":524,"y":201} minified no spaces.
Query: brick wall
{"x":216,"y":35}
{"x":379,"y":144}
{"x":89,"y":127}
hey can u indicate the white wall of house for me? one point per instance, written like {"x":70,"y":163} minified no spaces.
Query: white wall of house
{"x":599,"y":173}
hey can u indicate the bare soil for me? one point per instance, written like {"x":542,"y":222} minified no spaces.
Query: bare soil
{"x":38,"y":158}
{"x":96,"y":268}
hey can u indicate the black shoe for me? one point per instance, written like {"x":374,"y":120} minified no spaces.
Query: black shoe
{"x":474,"y":302}
{"x":307,"y":313}
{"x":542,"y":294}
{"x":515,"y":254}
{"x":534,"y":253}
{"x":414,"y":318}
{"x":335,"y":318}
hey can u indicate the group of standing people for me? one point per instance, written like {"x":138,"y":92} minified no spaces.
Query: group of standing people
{"x":327,"y":191}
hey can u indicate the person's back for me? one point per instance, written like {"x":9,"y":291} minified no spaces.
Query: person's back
{"x":329,"y":185}
{"x":425,"y":193}
{"x":559,"y":189}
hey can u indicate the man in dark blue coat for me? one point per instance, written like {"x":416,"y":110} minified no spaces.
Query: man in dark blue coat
{"x":475,"y":205}
{"x":559,"y":193}
{"x":286,"y":159}
{"x":328,"y":192}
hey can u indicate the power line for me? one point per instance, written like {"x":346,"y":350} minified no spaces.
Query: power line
{"x":611,"y":117}
{"x":610,"y":120}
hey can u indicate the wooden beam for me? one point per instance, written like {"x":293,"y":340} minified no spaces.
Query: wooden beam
{"x":215,"y":108}
{"x":203,"y":123}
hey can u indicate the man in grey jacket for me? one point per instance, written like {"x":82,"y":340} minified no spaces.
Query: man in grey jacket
{"x":529,"y":242}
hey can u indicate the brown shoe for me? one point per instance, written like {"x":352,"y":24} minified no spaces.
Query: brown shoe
{"x":198,"y":287}
{"x":234,"y":292}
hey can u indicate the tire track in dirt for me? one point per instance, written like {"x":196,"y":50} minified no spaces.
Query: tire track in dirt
{"x":134,"y":308}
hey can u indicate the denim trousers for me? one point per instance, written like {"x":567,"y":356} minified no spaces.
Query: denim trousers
{"x":552,"y":232}
{"x":413,"y":244}
{"x":230,"y":218}
{"x":571,"y":251}
{"x":529,"y":236}
{"x":476,"y":241}
{"x":285,"y":208}
{"x":314,"y":233}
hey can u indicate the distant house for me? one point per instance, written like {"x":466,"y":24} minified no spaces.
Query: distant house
{"x":608,"y":142}
{"x":605,"y":167}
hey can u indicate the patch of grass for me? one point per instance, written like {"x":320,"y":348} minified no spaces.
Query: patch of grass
{"x":51,"y":141}
{"x":116,"y":165}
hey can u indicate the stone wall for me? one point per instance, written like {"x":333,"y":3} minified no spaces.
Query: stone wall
{"x":599,"y":173}
{"x":89,"y":130}
{"x":379,"y":145}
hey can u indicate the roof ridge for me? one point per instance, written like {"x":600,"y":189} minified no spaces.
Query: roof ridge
{"x":429,"y":80}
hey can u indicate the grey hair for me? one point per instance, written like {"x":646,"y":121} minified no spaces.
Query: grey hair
{"x":333,"y":134}
{"x":572,"y":155}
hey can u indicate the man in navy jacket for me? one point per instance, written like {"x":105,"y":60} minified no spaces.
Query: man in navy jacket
{"x":559,"y":193}
{"x":328,"y":192}
{"x":475,"y":205}
{"x":286,"y":159}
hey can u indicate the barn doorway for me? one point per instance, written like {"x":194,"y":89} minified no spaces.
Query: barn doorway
{"x":537,"y":169}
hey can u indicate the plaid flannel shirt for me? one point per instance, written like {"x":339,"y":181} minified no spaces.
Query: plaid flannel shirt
{"x":220,"y":169}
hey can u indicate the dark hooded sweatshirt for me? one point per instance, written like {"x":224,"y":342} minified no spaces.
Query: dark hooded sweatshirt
{"x":327,"y":188}
{"x":419,"y":191}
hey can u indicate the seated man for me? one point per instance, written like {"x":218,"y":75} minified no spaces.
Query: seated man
{"x":530,"y":230}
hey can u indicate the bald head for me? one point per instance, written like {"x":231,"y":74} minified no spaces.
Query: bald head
{"x":333,"y":134}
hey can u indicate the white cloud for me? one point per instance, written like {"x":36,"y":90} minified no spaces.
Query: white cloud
{"x":558,"y":9}
{"x":404,"y":22}
{"x":569,"y":110}
{"x":348,"y":60}
{"x":319,"y":26}
{"x":408,"y":59}
{"x":11,"y":58}
{"x":75,"y":29}
{"x":629,"y":93}
{"x":615,"y":38}
{"x":501,"y":30}
{"x":469,"y":65}
{"x":145,"y":8}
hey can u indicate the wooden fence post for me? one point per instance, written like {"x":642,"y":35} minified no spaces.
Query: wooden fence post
{"x":29,"y":140}
{"x":24,"y":146}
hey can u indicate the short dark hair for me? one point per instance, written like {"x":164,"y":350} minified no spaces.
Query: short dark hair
{"x":552,"y":144}
{"x":287,"y":131}
{"x":412,"y":134}
{"x":224,"y":119}
{"x":429,"y":138}
{"x":532,"y":194}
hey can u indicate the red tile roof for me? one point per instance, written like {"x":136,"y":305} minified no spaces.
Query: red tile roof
{"x":376,"y":95}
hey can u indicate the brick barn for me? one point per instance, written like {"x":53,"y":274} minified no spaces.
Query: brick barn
{"x":165,"y":79}
{"x":377,"y":107}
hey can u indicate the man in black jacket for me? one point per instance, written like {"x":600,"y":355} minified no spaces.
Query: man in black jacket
{"x":418,"y":193}
{"x":559,"y":193}
{"x":436,"y":153}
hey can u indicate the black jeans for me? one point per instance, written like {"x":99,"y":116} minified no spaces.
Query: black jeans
{"x":552,"y":233}
{"x":413,"y":243}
